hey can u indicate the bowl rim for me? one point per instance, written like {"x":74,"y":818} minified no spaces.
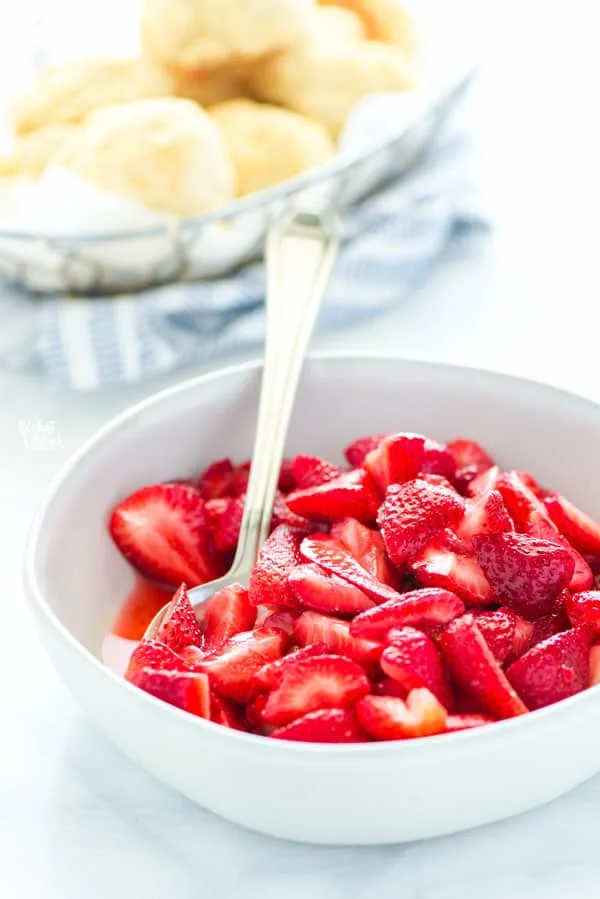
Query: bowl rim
{"x":503,"y":729}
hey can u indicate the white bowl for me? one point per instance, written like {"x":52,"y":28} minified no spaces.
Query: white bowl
{"x":378,"y":793}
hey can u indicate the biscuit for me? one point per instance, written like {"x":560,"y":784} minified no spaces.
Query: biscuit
{"x":385,"y":20}
{"x":167,"y":154}
{"x":66,"y":93}
{"x":33,"y":152}
{"x":268,"y":144}
{"x":199,"y":34}
{"x":324,"y":81}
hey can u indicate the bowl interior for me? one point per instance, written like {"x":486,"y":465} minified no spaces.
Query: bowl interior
{"x":83,"y":579}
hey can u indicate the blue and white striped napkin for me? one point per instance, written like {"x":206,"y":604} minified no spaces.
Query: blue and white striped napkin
{"x":388,"y":245}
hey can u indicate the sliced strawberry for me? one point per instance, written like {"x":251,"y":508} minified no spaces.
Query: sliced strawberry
{"x":314,"y":588}
{"x":334,"y":634}
{"x":389,"y":718}
{"x":282,"y":514}
{"x":240,"y":479}
{"x":522,"y":638}
{"x":525,"y":573}
{"x":268,"y":581}
{"x":310,"y":471}
{"x":286,"y":476}
{"x":531,"y":483}
{"x":402,"y":457}
{"x":320,"y":682}
{"x":282,"y":620}
{"x":333,"y":557}
{"x":143,"y":603}
{"x":270,"y":675}
{"x":231,"y":668}
{"x":162,"y":530}
{"x":413,"y":514}
{"x":186,"y":690}
{"x":579,"y":529}
{"x":584,"y":608}
{"x":225,"y":614}
{"x":389,"y":687}
{"x":360,"y":448}
{"x":193,"y":657}
{"x":485,"y":481}
{"x":179,"y":627}
{"x":254,"y":715}
{"x":553,"y":670}
{"x":351,"y":495}
{"x":531,"y":517}
{"x":549,"y":625}
{"x":226,"y":713}
{"x":418,"y":607}
{"x":413,"y":660}
{"x":594,"y":666}
{"x":439,"y":566}
{"x":366,"y":545}
{"x":475,"y":668}
{"x":323,"y":726}
{"x":498,"y":629}
{"x":468,"y":453}
{"x":216,"y":480}
{"x":156,"y":655}
{"x":455,"y":723}
{"x":225,"y":529}
{"x":485,"y":514}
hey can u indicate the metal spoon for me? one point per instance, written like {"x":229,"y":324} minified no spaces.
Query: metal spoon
{"x":300,"y":252}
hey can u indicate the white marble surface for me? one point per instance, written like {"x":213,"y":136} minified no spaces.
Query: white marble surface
{"x":76,"y":819}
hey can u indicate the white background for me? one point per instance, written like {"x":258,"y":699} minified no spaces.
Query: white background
{"x":78,"y":820}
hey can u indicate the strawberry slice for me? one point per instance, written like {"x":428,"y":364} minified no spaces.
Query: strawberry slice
{"x":254,"y":715}
{"x":389,"y":687}
{"x":216,"y":480}
{"x":417,"y":608}
{"x":280,"y":553}
{"x":241,"y":475}
{"x":531,"y":517}
{"x":498,"y":629}
{"x":484,"y":482}
{"x":485,"y":514}
{"x":390,"y":718}
{"x":468,"y":453}
{"x":282,"y":620}
{"x":320,"y":682}
{"x":475,"y":668}
{"x":413,"y":514}
{"x":144,"y":601}
{"x":455,"y":723}
{"x":323,"y":726}
{"x":282,"y":514}
{"x":192,"y":657}
{"x":584,"y":608}
{"x":317,"y":589}
{"x":286,"y":481}
{"x":226,"y":713}
{"x":270,"y":675}
{"x":402,"y":457}
{"x":553,"y":670}
{"x":227,"y":613}
{"x":594,"y":666}
{"x":334,"y":635}
{"x":366,"y":546}
{"x":225,"y":521}
{"x":179,"y":627}
{"x":525,"y":573}
{"x":310,"y":471}
{"x":522,"y":638}
{"x":231,"y":668}
{"x":360,"y":448}
{"x":413,"y":660}
{"x":578,"y":528}
{"x":186,"y":690}
{"x":351,"y":495}
{"x":162,"y":531}
{"x":439,"y":566}
{"x":156,"y":655}
{"x":333,"y":557}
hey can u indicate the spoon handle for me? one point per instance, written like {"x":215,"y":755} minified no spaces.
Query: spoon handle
{"x":300,"y":253}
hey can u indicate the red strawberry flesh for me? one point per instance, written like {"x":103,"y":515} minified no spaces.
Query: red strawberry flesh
{"x":323,"y":726}
{"x":416,"y":608}
{"x":553,"y":670}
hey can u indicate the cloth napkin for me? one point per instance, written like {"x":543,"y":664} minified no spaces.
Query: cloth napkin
{"x":388,"y":244}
